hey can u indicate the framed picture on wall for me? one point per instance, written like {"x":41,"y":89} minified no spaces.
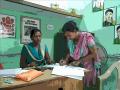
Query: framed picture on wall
{"x":7,"y":26}
{"x":118,"y":14}
{"x":109,"y":18}
{"x":97,"y":5}
{"x":27,"y":24}
{"x":117,"y":34}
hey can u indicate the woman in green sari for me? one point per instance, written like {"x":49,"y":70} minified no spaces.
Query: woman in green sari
{"x":34,"y":53}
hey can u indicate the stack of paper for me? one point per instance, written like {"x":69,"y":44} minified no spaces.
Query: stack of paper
{"x":52,"y":65}
{"x":69,"y":71}
{"x":10,"y":72}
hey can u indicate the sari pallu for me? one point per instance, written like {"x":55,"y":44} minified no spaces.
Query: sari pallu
{"x":81,"y":49}
{"x":33,"y":55}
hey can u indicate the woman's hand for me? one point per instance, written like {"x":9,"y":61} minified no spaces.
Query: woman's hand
{"x":62,"y":62}
{"x":31,"y":64}
{"x":49,"y":61}
{"x":75,"y":63}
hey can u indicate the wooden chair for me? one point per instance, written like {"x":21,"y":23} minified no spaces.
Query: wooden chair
{"x":107,"y":74}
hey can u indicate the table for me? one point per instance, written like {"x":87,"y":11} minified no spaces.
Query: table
{"x":45,"y":82}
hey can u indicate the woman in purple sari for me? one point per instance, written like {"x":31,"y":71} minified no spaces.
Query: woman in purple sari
{"x":82,"y":51}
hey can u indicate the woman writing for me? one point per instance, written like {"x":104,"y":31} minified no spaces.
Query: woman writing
{"x":81,"y":51}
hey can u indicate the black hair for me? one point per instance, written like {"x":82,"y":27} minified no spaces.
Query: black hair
{"x":33,"y":31}
{"x":118,"y":28}
{"x":70,"y":26}
{"x":109,"y":10}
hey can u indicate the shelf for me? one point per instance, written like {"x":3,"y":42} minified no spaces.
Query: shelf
{"x":45,"y":8}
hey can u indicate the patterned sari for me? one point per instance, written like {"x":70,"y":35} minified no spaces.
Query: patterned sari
{"x":81,"y":49}
{"x":37,"y":54}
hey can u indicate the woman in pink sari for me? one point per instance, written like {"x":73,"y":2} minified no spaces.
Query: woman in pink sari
{"x":82,"y":51}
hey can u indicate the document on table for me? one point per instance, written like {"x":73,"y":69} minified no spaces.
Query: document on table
{"x":76,"y":77}
{"x":69,"y":71}
{"x":10,"y":72}
{"x":52,"y":65}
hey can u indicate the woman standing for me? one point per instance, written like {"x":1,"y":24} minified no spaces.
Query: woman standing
{"x":81,"y":51}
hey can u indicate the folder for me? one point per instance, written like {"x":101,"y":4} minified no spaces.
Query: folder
{"x":29,"y":75}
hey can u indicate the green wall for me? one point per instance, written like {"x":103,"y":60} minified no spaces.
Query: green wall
{"x":12,"y":45}
{"x":92,"y":22}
